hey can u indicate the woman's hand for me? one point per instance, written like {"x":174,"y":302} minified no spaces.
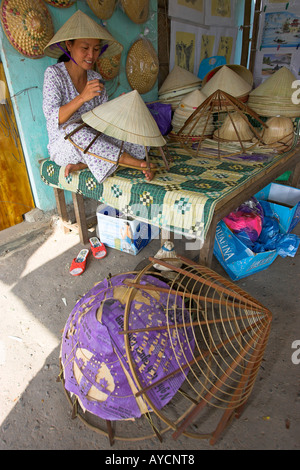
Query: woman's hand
{"x":92,"y":88}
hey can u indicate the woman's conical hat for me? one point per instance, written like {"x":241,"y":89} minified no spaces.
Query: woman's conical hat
{"x":229,"y":81}
{"x":178,"y":78}
{"x":103,"y":9}
{"x":126,"y":118}
{"x":78,"y":26}
{"x":27,"y":25}
{"x":278,"y":84}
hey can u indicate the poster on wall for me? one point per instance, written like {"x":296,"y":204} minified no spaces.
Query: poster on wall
{"x":278,"y":40}
{"x":220,"y":12}
{"x":184,"y":48}
{"x":187,"y":10}
{"x":191,"y":44}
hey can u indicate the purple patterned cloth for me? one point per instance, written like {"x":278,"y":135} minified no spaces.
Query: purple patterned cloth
{"x":59,"y":90}
{"x":93,"y":353}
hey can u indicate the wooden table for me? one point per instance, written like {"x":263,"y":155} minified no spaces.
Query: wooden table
{"x":130,"y":188}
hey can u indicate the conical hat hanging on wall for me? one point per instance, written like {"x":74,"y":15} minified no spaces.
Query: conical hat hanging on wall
{"x":126,"y":118}
{"x":178,"y":78}
{"x":229,"y":81}
{"x":104,"y":9}
{"x":136,"y":10}
{"x":78,"y":26}
{"x":27,"y":25}
{"x":60,"y":3}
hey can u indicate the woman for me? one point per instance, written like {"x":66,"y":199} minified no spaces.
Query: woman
{"x":70,"y":89}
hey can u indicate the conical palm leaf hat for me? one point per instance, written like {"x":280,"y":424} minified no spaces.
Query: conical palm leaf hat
{"x":78,"y":26}
{"x":104,"y":9}
{"x":193,"y":99}
{"x":126,"y":118}
{"x":178,"y":78}
{"x":229,"y":81}
{"x":278,"y":84}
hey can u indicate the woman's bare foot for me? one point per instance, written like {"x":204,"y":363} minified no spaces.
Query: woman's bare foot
{"x":74,"y":167}
{"x":127,"y":159}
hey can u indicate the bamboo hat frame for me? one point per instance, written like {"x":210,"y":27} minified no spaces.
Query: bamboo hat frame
{"x":127,"y":119}
{"x":215,"y":335}
{"x":27,"y":25}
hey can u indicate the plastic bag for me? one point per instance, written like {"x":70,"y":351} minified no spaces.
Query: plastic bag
{"x":246,"y":221}
{"x":162,"y":113}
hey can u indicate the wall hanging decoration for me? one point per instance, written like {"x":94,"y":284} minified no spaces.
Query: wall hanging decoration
{"x":127,"y":119}
{"x":220,"y":12}
{"x":108,"y":63}
{"x":136,"y":10}
{"x":187,"y":10}
{"x":79,"y":25}
{"x":142,"y":355}
{"x":142,"y":66}
{"x":27,"y":25}
{"x":104,"y":9}
{"x":61,"y":3}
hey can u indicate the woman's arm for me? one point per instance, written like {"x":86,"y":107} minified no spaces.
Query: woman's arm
{"x":93,"y":88}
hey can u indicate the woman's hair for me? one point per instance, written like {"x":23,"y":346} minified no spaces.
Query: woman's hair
{"x":64,"y":57}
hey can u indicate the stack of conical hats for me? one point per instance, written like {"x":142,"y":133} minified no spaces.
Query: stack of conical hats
{"x":178,"y":83}
{"x":230,"y":82}
{"x":187,"y":106}
{"x":242,"y":71}
{"x":274,"y":97}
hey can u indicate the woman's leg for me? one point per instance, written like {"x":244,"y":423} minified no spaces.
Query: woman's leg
{"x":74,"y":167}
{"x":132,"y":161}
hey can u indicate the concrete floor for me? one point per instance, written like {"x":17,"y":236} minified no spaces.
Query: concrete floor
{"x":37,"y":295}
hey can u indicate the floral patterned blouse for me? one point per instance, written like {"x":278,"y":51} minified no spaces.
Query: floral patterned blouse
{"x":59,"y":90}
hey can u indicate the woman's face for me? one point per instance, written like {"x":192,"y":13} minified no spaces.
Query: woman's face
{"x":85,"y":52}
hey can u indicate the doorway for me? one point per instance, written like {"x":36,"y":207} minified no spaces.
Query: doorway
{"x":15,"y":191}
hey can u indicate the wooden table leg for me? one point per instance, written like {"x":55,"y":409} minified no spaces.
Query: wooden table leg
{"x":61,"y":206}
{"x":295,"y":176}
{"x":80,"y":217}
{"x":207,"y":250}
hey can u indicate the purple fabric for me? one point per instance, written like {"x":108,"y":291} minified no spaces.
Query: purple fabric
{"x":152,"y":352}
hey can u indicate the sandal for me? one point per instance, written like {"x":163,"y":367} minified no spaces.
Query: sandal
{"x":78,"y":264}
{"x":98,"y":249}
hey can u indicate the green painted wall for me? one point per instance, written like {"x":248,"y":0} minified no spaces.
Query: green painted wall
{"x":25,"y":81}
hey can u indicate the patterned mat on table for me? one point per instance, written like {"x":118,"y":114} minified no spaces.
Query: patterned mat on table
{"x":181,"y":200}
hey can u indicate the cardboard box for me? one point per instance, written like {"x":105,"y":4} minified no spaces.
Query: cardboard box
{"x":121,"y":233}
{"x":236,"y":258}
{"x":283,"y":202}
